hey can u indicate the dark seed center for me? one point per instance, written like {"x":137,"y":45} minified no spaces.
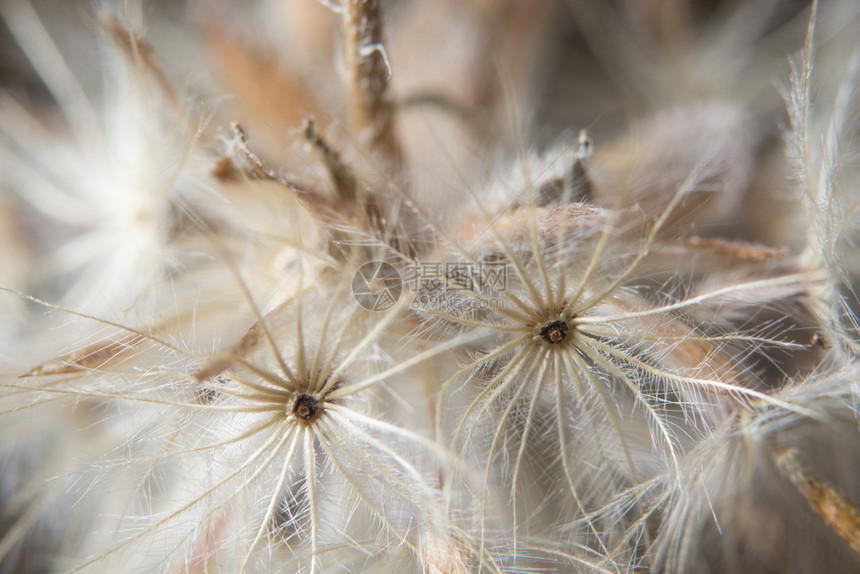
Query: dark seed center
{"x":305,"y":407}
{"x":554,"y":332}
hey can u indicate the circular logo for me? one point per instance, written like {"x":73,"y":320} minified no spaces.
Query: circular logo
{"x":376,"y":286}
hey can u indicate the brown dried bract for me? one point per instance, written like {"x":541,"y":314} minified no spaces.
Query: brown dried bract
{"x":89,"y":358}
{"x":264,"y":86}
{"x":224,"y":361}
{"x":737,"y":250}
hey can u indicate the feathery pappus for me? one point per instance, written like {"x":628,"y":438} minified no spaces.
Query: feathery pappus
{"x":438,"y":286}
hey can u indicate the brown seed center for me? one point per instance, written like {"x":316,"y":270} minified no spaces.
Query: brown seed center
{"x":554,"y":332}
{"x":305,"y":407}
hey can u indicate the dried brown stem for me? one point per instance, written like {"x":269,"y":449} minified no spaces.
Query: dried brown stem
{"x":838,"y":512}
{"x":344,"y":179}
{"x":371,"y":107}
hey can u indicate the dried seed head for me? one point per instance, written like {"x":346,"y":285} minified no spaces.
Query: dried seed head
{"x":554,"y":332}
{"x":305,"y":407}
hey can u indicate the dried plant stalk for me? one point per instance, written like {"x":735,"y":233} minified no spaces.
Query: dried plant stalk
{"x":836,"y":510}
{"x":371,"y":109}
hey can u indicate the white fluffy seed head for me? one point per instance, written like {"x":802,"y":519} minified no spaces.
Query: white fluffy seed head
{"x":396,"y":337}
